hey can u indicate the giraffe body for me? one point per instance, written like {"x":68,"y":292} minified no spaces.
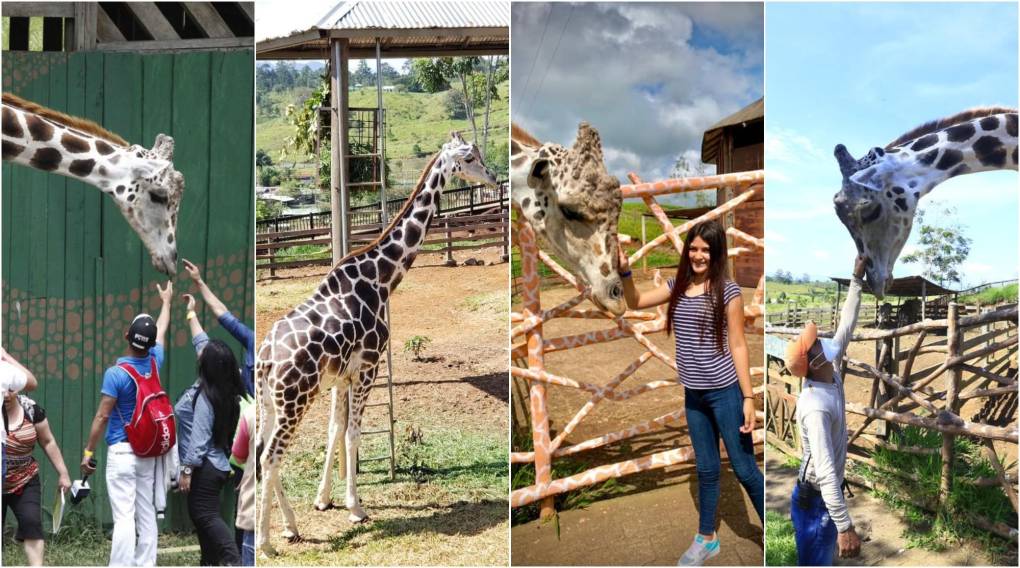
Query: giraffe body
{"x":142,"y":182}
{"x":573,"y":204}
{"x":335,"y":340}
{"x":881,"y":191}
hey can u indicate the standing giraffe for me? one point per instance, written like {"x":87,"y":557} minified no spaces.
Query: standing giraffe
{"x":143,"y":183}
{"x":335,"y":339}
{"x":573,"y":204}
{"x":881,"y":191}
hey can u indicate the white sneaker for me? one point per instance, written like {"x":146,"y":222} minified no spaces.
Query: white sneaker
{"x":699,"y":552}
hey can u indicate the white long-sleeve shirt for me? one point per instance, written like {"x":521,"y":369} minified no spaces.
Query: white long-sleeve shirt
{"x":821,"y":414}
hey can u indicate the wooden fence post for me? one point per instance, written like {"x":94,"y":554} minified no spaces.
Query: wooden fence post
{"x":449,"y":245}
{"x":953,"y":337}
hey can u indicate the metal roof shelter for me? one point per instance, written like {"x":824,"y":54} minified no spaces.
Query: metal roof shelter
{"x":906,"y":287}
{"x":361,"y":30}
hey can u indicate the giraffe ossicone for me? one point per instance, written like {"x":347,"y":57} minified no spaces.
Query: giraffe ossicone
{"x":881,"y":191}
{"x":335,"y":340}
{"x":142,"y":182}
{"x":573,"y":203}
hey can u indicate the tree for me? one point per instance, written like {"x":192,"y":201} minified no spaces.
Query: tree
{"x":942,"y":245}
{"x":262,"y":158}
{"x":440,"y":73}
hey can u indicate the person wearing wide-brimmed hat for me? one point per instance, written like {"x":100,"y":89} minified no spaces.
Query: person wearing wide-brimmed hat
{"x":821,"y":520}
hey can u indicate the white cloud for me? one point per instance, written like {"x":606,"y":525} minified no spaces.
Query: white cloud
{"x":617,"y":159}
{"x":785,"y":145}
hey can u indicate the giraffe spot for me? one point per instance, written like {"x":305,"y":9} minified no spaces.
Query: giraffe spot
{"x":368,"y":269}
{"x":1011,"y":124}
{"x":131,"y":197}
{"x":385,"y":269}
{"x":393,"y":251}
{"x":11,"y":126}
{"x":351,"y":271}
{"x":1014,"y":156}
{"x":11,"y":150}
{"x":989,"y":123}
{"x":74,"y":144}
{"x":102,"y":171}
{"x":539,"y":215}
{"x":960,"y":132}
{"x":40,"y":130}
{"x":990,"y":151}
{"x":425,"y":199}
{"x":333,"y":284}
{"x":82,"y":168}
{"x":120,"y":189}
{"x":170,"y":238}
{"x":422,"y":216}
{"x":897,"y":190}
{"x":412,"y":235}
{"x":928,"y":158}
{"x":46,"y":159}
{"x":345,"y":284}
{"x":604,"y":269}
{"x":156,"y":198}
{"x":901,"y":204}
{"x":949,"y":159}
{"x":912,"y":184}
{"x":926,"y":141}
{"x":397,"y":235}
{"x":330,"y":345}
{"x":103,"y":148}
{"x":526,"y":202}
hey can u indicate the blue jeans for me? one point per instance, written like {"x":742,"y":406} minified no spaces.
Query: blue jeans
{"x":814,"y":532}
{"x":248,"y":548}
{"x":712,"y":413}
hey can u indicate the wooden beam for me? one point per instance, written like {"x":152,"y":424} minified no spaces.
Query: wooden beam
{"x":445,"y":33}
{"x":215,"y":44}
{"x":249,"y":10}
{"x":39,"y":9}
{"x":106,"y":30}
{"x":152,"y":20}
{"x":208,"y":19}
{"x":388,"y":52}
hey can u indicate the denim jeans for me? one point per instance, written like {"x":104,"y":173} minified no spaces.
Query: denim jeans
{"x":813,"y":531}
{"x":247,"y":548}
{"x":214,"y":537}
{"x":712,"y":413}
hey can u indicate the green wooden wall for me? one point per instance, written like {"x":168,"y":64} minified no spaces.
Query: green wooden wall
{"x":74,"y":273}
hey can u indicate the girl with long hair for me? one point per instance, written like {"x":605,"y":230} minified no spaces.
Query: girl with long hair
{"x":208,"y":412}
{"x":706,"y":318}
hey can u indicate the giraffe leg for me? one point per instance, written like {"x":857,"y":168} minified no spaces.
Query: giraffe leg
{"x":359,"y":394}
{"x":270,"y":459}
{"x":337,"y":427}
{"x":290,"y":529}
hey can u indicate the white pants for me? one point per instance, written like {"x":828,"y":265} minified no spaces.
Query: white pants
{"x":130,"y":481}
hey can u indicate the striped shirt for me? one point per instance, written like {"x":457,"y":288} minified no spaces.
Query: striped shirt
{"x":699,"y":362}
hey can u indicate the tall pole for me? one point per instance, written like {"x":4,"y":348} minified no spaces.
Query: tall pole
{"x":381,"y":146}
{"x":338,"y":179}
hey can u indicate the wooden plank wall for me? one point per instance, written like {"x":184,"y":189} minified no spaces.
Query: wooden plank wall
{"x":74,"y":273}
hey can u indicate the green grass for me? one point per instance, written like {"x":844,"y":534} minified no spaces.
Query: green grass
{"x":939,"y":532}
{"x":81,"y":542}
{"x":780,"y":546}
{"x":448,"y":482}
{"x":412,"y":118}
{"x":805,"y":295}
{"x":992,"y":296}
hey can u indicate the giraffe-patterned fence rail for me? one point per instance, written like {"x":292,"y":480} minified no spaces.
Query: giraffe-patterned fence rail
{"x":974,"y":355}
{"x":637,"y":325}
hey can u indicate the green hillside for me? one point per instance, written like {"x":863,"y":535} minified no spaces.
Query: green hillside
{"x":413,"y":118}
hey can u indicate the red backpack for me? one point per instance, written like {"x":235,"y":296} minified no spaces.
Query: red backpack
{"x":152,"y":430}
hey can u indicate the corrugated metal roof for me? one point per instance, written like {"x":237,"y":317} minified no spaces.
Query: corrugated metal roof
{"x":363,"y":15}
{"x":710,"y":140}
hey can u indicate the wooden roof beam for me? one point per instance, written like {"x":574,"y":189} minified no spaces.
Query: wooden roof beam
{"x":152,"y":20}
{"x":208,"y":19}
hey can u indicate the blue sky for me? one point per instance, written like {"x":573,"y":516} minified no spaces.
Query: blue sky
{"x":650,"y":77}
{"x":861,"y":75}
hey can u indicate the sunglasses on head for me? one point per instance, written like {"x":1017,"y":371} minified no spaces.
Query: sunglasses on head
{"x":818,"y":360}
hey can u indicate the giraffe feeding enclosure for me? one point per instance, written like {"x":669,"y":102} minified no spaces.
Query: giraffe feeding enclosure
{"x":532,"y":346}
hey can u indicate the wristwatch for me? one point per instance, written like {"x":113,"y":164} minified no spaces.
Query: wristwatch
{"x":186,"y":470}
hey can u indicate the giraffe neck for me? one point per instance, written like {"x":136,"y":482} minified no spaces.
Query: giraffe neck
{"x":387,"y":260}
{"x":979,"y":145}
{"x":47,"y":145}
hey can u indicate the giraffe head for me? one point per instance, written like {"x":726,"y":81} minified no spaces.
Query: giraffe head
{"x":149,"y":197}
{"x":877,"y":204}
{"x":572,"y":202}
{"x":468,"y":164}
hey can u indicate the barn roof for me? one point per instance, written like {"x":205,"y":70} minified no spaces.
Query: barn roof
{"x":712,"y":138}
{"x":906,"y":287}
{"x":405,"y":29}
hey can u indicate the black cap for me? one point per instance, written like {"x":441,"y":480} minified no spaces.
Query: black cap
{"x":142,"y":333}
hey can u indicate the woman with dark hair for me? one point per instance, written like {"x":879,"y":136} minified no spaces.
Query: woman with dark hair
{"x":207,"y":416}
{"x":706,"y":318}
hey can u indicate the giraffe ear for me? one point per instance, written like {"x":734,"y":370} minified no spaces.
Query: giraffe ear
{"x":538,"y":175}
{"x":868,"y":178}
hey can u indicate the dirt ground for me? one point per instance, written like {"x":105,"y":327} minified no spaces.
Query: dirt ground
{"x":598,"y":364}
{"x":460,"y":388}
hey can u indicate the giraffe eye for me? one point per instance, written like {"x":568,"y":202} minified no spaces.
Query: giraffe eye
{"x":571,"y":214}
{"x":469,"y":159}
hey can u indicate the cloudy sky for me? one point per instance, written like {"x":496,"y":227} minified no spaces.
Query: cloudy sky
{"x":650,"y":77}
{"x":861,"y":75}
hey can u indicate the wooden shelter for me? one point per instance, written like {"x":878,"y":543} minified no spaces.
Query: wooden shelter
{"x":358,"y":30}
{"x":134,"y":27}
{"x":737,"y":144}
{"x":907,"y":287}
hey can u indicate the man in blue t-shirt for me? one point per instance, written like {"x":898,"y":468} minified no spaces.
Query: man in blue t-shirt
{"x":130,"y":479}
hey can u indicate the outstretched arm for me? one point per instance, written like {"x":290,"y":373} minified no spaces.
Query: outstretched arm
{"x":637,"y":299}
{"x":851,"y":307}
{"x":214,"y":303}
{"x":163,"y":321}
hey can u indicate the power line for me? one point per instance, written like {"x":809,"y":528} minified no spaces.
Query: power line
{"x":553,"y":58}
{"x":538,"y":51}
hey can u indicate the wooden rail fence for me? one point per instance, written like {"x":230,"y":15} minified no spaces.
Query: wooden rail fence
{"x":982,"y":366}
